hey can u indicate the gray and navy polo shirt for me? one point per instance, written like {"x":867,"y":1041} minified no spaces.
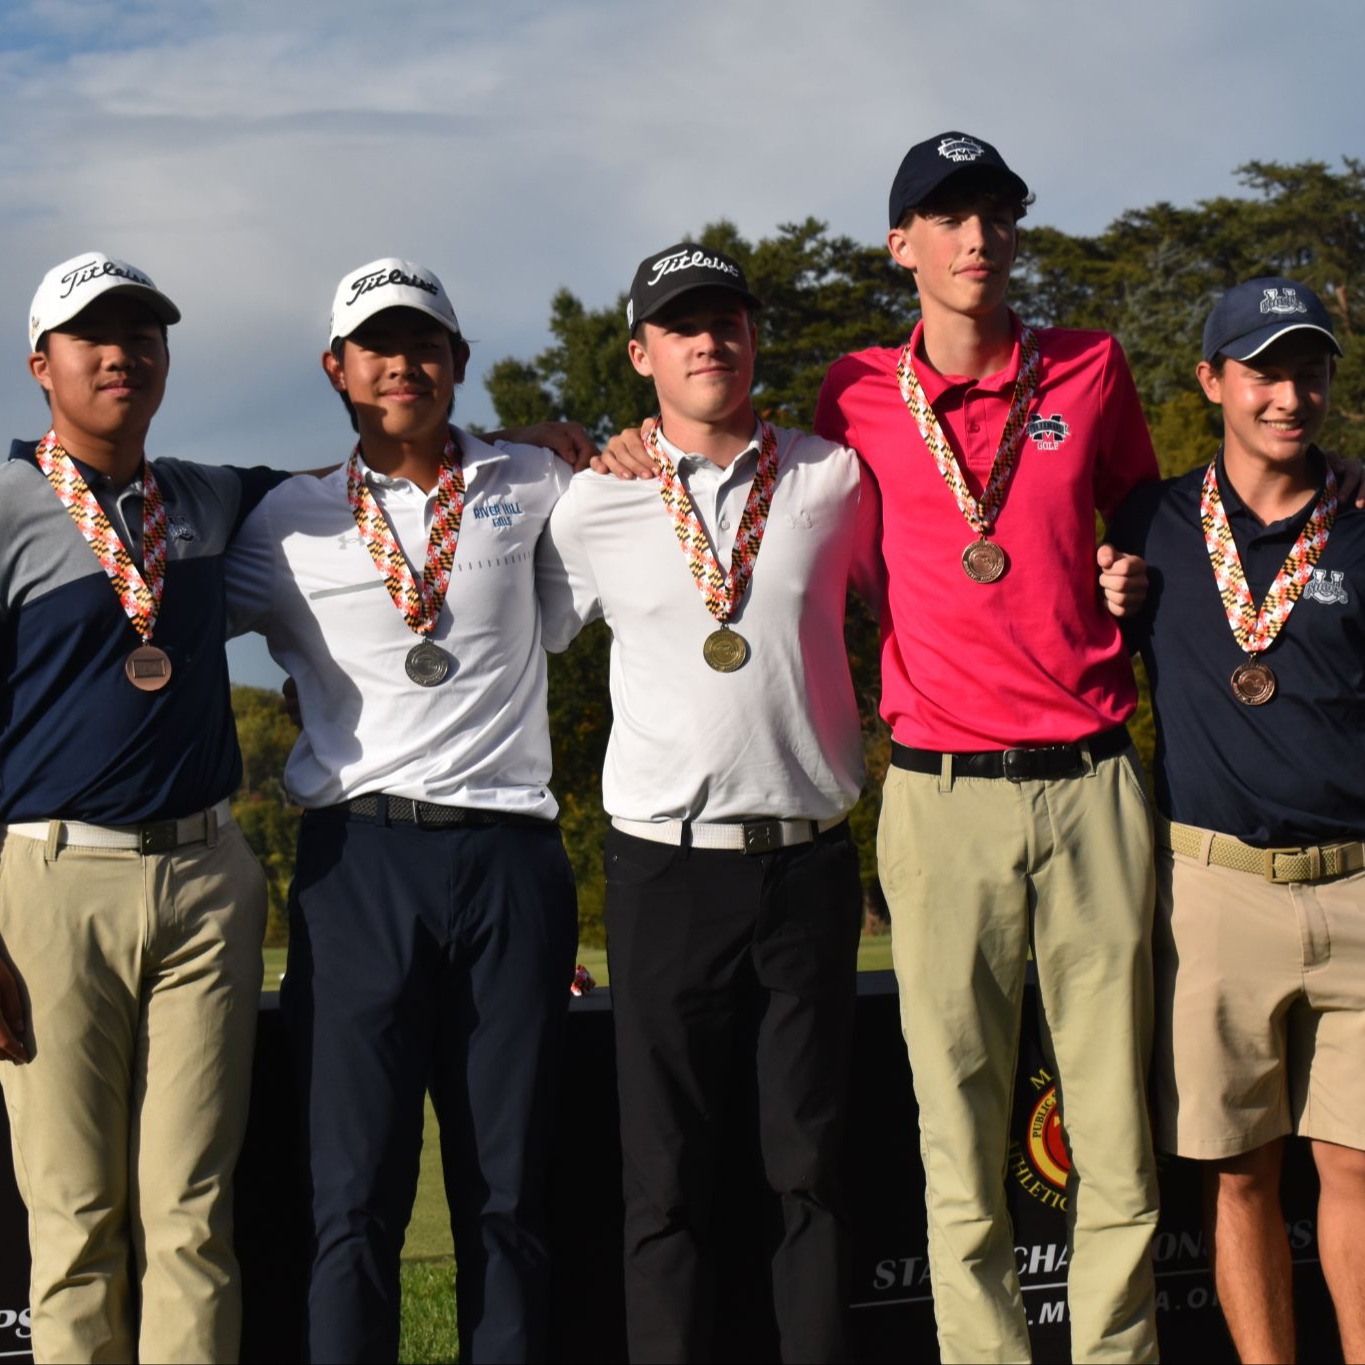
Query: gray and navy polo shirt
{"x":77,"y":740}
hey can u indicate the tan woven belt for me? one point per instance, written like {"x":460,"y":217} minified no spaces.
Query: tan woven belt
{"x":1279,"y":865}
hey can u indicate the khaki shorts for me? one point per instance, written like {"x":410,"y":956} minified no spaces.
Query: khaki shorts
{"x":1260,"y":1012}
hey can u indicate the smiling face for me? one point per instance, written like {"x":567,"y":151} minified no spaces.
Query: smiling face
{"x":960,"y":246}
{"x":104,"y":372}
{"x":1274,"y":404}
{"x":399,"y":369}
{"x":700,"y":354}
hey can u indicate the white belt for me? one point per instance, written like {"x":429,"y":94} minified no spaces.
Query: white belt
{"x":156,"y":836}
{"x":741,"y":836}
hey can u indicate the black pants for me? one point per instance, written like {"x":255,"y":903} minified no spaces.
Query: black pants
{"x":428,"y":958}
{"x":700,"y":943}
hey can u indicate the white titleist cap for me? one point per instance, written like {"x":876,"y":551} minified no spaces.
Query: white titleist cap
{"x":71,"y":287}
{"x":388,"y":283}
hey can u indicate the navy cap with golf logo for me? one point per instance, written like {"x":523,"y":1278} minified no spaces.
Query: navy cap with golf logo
{"x":929,"y":163}
{"x":388,"y":283}
{"x":71,"y":287}
{"x":1257,"y":312}
{"x":677,"y":270}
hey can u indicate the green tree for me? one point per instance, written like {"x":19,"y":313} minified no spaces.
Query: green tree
{"x":267,"y":820}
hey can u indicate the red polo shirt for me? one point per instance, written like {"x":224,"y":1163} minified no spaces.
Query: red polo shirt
{"x":1034,"y":658}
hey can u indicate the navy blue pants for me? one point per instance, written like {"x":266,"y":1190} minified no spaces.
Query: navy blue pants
{"x":440,"y":959}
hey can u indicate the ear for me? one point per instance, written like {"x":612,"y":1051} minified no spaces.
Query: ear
{"x":336,"y":371}
{"x":1210,"y":381}
{"x":639,"y":357}
{"x":461,"y":358}
{"x":898,"y":244}
{"x":38,"y":368}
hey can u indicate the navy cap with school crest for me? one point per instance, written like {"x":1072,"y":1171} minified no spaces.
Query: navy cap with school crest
{"x":664,"y":275}
{"x":929,"y":163}
{"x":1256,"y":312}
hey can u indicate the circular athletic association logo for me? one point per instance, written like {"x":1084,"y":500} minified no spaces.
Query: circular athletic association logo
{"x":1046,"y":1142}
{"x":1038,"y":1157}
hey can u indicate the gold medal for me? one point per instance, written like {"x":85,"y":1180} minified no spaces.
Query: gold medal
{"x":1253,"y":683}
{"x":983,"y":561}
{"x":148,"y":668}
{"x":725,"y":650}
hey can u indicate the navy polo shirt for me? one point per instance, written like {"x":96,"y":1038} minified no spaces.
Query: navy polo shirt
{"x":77,"y":740}
{"x":1290,"y":772}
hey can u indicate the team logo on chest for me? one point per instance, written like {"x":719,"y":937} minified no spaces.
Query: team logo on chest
{"x":960,"y":149}
{"x":497,"y":514}
{"x":1047,"y":433}
{"x":1327,"y":587}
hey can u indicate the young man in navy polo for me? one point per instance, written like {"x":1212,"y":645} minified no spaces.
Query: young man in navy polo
{"x":1254,"y":640}
{"x":433,"y":913}
{"x":131,"y":909}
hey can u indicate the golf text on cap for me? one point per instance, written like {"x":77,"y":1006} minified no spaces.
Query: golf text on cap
{"x":960,"y":149}
{"x":376,"y":278}
{"x":1283,"y":301}
{"x":684,"y":260}
{"x":96,"y":269}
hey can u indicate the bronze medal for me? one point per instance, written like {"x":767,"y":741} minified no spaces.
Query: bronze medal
{"x":148,"y":668}
{"x":725,"y":650}
{"x":427,"y":664}
{"x":983,"y":561}
{"x":1253,"y":683}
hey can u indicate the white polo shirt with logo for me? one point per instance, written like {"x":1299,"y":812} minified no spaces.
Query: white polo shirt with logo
{"x":780,"y":737}
{"x":299,"y":573}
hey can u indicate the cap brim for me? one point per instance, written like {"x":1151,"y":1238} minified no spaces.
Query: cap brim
{"x":1251,"y":345}
{"x":384,"y":307}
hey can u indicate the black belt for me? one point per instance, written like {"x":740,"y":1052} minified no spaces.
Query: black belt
{"x":381,"y":809}
{"x":1018,"y":765}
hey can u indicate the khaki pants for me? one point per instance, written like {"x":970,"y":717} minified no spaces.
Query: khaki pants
{"x":974,"y":870}
{"x":140,"y":978}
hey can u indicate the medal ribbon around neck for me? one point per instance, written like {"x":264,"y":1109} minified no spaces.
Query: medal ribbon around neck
{"x":722,"y":592}
{"x":980,"y":514}
{"x":138,"y":593}
{"x":420,"y":606}
{"x":1254,"y":630}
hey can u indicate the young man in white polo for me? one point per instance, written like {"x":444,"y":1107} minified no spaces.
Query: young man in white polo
{"x":733,"y":895}
{"x":433,"y":915}
{"x":131,"y":909}
{"x":1254,"y":640}
{"x":1013,"y":816}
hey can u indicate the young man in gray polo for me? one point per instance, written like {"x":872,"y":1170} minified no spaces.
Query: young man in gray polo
{"x":733,"y":896}
{"x":131,"y":909}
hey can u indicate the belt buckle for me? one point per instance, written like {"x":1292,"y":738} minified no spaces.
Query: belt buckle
{"x":1015,"y":765}
{"x":162,"y":837}
{"x":1268,"y":856}
{"x":761,"y":836}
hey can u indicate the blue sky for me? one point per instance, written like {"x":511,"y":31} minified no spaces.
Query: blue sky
{"x":248,"y":154}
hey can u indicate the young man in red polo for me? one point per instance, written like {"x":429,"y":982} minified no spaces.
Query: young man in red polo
{"x":1014,"y":815}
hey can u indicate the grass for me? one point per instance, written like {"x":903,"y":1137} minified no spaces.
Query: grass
{"x":427,"y":1333}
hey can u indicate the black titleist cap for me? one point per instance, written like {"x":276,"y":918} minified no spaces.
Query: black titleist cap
{"x":1256,"y":312}
{"x":665,"y":275}
{"x":928,"y":164}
